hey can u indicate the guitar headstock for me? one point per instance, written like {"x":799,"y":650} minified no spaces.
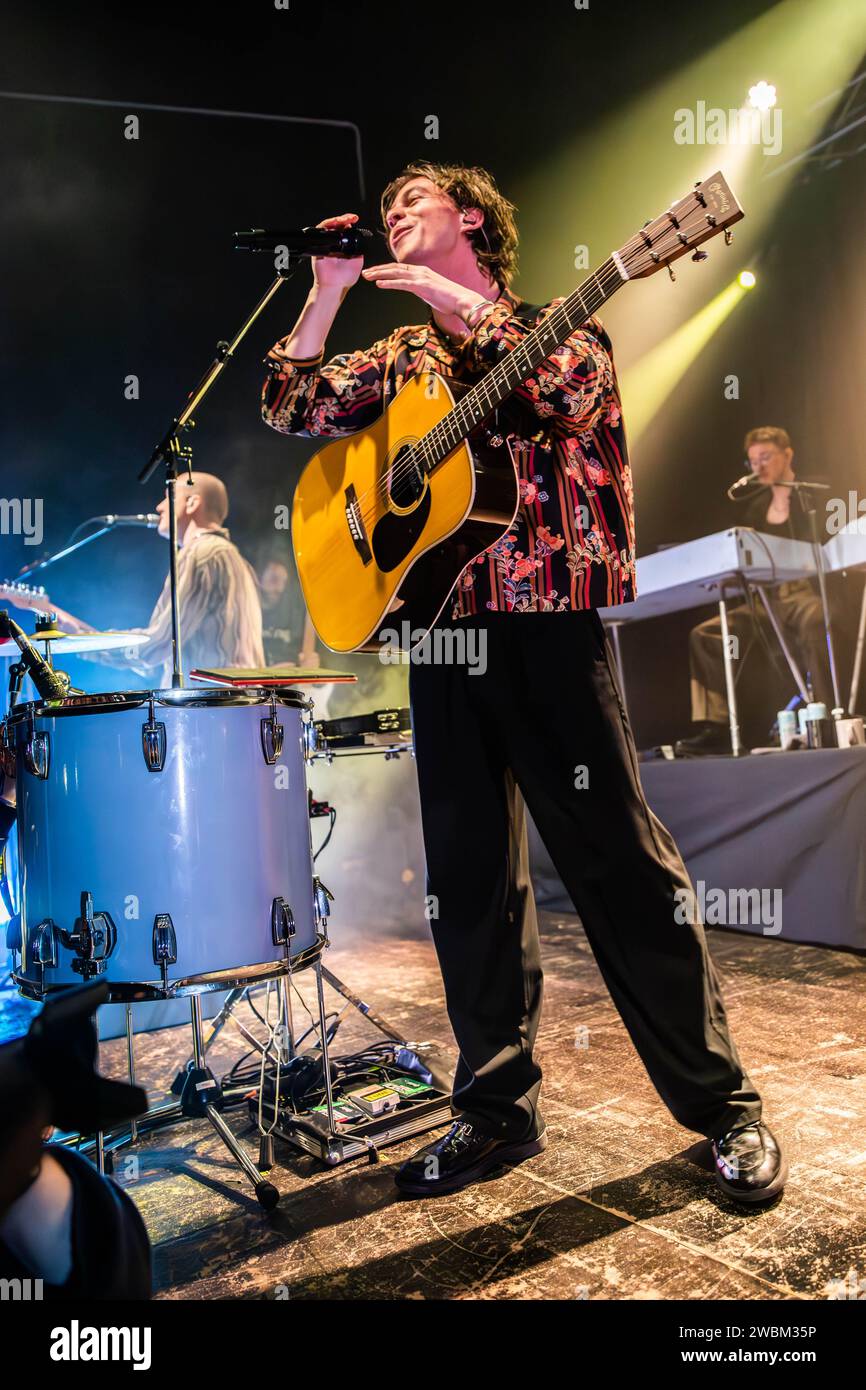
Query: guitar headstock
{"x":24,"y":595}
{"x":710,"y":208}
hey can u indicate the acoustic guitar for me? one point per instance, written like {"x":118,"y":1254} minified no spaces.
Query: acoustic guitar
{"x":384,"y":521}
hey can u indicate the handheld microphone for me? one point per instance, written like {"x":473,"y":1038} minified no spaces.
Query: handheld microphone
{"x":140,"y":519}
{"x":51,"y":684}
{"x":306,"y":241}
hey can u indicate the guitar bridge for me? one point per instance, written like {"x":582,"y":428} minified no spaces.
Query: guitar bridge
{"x":355,"y":522}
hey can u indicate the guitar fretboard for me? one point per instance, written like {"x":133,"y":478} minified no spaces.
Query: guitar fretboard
{"x":518,"y":364}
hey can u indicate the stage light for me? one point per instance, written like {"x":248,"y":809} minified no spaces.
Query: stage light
{"x":649,"y":382}
{"x":762,"y":96}
{"x":747,"y":279}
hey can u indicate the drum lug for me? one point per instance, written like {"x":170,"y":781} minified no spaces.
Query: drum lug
{"x":310,"y":736}
{"x":282,"y":922}
{"x":43,"y":947}
{"x":322,"y":897}
{"x":93,"y":938}
{"x":43,"y":942}
{"x":153,"y":742}
{"x":164,"y":944}
{"x":37,"y":753}
{"x":272,"y":736}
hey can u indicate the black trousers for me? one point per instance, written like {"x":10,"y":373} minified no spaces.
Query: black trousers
{"x":544,"y":726}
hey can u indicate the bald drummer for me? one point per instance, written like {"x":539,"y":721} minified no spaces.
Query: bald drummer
{"x":218,"y":592}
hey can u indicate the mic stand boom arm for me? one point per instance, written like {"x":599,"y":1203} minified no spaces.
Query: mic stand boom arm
{"x":170,"y":449}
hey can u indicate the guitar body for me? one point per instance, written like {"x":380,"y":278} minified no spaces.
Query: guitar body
{"x":378,"y":542}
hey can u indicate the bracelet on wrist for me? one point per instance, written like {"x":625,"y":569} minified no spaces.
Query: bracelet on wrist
{"x":482,"y":305}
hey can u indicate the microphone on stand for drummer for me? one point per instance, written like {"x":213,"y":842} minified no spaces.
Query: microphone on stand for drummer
{"x":50,"y":684}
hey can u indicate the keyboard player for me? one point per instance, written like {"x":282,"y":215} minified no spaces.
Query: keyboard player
{"x":776,"y":511}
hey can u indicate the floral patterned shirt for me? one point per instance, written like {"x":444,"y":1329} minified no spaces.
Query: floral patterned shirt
{"x":572,"y":542}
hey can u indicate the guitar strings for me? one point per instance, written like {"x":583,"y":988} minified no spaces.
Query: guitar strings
{"x":440,"y":434}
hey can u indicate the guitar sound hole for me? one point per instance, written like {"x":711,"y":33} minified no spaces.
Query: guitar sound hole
{"x":406,"y":478}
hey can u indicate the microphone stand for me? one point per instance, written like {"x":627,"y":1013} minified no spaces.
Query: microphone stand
{"x":61,"y":554}
{"x":801,"y":490}
{"x":169,"y":451}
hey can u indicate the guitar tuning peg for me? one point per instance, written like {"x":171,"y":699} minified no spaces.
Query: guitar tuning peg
{"x":700,"y":255}
{"x":671,"y":272}
{"x":729,"y":236}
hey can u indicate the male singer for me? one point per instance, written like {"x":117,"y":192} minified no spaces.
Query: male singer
{"x":547,"y":706}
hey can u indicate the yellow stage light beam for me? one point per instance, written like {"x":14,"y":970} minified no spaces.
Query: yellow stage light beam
{"x":648,"y":383}
{"x":607,"y":177}
{"x":747,"y":279}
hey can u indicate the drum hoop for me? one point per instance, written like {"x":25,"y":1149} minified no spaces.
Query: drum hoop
{"x":152,"y":992}
{"x":216,"y":697}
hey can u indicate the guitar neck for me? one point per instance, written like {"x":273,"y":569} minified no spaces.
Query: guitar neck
{"x":520,"y":363}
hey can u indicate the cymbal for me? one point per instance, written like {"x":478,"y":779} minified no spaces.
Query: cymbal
{"x":83,"y":642}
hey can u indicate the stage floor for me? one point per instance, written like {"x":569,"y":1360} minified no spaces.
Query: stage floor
{"x":621,"y":1205}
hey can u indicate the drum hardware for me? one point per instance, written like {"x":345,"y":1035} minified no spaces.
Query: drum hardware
{"x":322,"y":896}
{"x":272,"y":735}
{"x":17,"y":672}
{"x":43,"y":945}
{"x":202,"y":1097}
{"x":51,"y":684}
{"x":386,"y":732}
{"x":43,"y":942}
{"x":164,"y":945}
{"x":93,"y":938}
{"x":45,"y":628}
{"x":309,"y":736}
{"x":153,"y":741}
{"x":282,"y":924}
{"x":326,"y":1134}
{"x":36,"y":754}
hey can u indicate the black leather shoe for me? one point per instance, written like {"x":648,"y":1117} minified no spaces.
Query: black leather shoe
{"x":461,"y":1157}
{"x":749,"y":1163}
{"x":711,"y":739}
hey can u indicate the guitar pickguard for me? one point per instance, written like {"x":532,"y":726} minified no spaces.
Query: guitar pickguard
{"x":396,"y":533}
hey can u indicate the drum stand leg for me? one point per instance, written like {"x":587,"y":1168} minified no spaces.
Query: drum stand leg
{"x":218,"y":1022}
{"x":362,"y":1008}
{"x":326,"y":1064}
{"x":201,"y":1097}
{"x":130,"y":1067}
{"x":286,"y":997}
{"x":377,"y":1022}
